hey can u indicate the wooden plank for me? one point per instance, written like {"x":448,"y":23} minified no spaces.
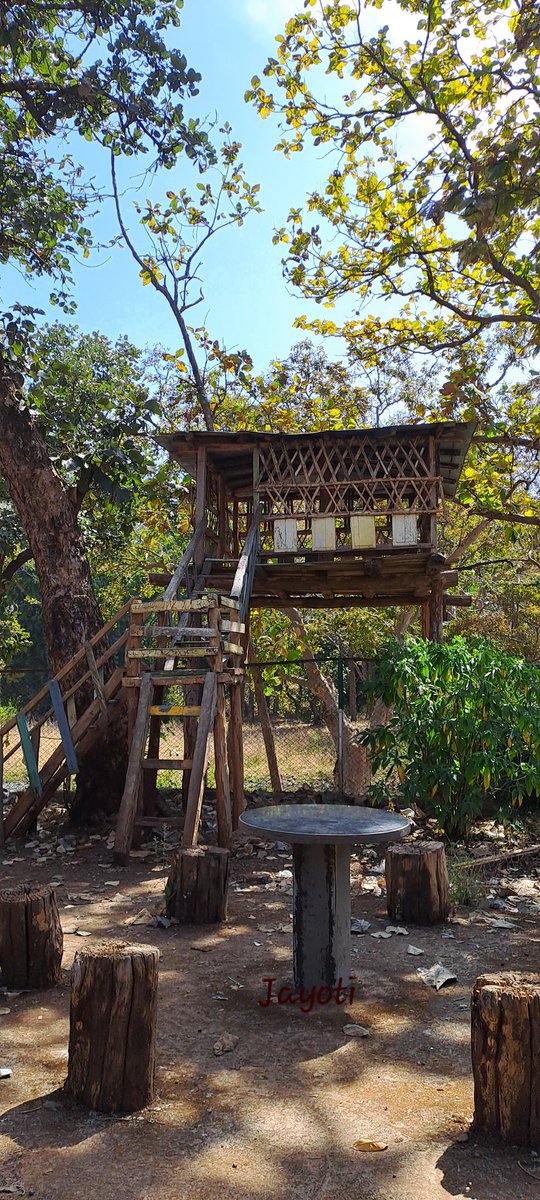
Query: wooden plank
{"x":199,"y":604}
{"x":233,"y":627}
{"x":200,"y":761}
{"x":286,"y":534}
{"x":128,"y":806}
{"x":156,"y":631}
{"x":223,"y":791}
{"x":2,"y":832}
{"x":175,"y":710}
{"x":363,"y":534}
{"x":228,"y":676}
{"x":97,"y":678}
{"x":63,"y":727}
{"x":29,"y":756}
{"x":181,"y":570}
{"x":233,"y":648}
{"x":236,"y":755}
{"x":404,"y":529}
{"x":173,"y":652}
{"x":266,"y":725}
{"x":323,"y":533}
{"x":167,"y":764}
{"x":229,"y":602}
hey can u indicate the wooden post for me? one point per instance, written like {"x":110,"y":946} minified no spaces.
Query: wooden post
{"x":425,"y":619}
{"x":133,"y":785}
{"x":200,"y":761}
{"x":196,"y":890}
{"x":436,"y":611}
{"x":200,"y":503}
{"x":223,"y":791}
{"x":112,"y":1029}
{"x":236,"y":753}
{"x":31,"y":941}
{"x":2,"y":831}
{"x":266,"y":724}
{"x":505,"y":1046}
{"x":417,"y":882}
{"x":353,"y":708}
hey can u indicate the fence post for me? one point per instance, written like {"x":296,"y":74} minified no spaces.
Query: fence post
{"x":341,"y":717}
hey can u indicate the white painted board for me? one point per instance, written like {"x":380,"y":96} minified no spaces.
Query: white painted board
{"x":323,"y":530}
{"x":286,"y":534}
{"x":404,"y":529}
{"x":362,"y":531}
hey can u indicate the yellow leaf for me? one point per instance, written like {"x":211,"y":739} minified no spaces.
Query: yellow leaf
{"x":368,"y":1146}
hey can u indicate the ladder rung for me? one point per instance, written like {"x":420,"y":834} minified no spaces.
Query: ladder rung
{"x":156,"y":631}
{"x":174,"y":652}
{"x":232,"y":648}
{"x":233,"y":627}
{"x":167,"y":764}
{"x":226,"y":602}
{"x":198,"y":605}
{"x":174,"y":710}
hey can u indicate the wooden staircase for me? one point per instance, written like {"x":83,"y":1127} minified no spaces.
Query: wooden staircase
{"x":192,"y":642}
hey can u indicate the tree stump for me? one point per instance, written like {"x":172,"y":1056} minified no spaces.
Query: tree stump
{"x":505,"y":1046}
{"x":417,"y":882}
{"x":31,"y":941}
{"x":112,"y":1027}
{"x":196,"y":891}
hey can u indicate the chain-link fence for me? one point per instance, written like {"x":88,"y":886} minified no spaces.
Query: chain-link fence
{"x":284,"y":720}
{"x":279,"y":705}
{"x":17,"y":687}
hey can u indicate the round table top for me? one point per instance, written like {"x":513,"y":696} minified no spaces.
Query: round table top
{"x":326,"y":823}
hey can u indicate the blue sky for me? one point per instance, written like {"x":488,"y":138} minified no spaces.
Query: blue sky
{"x":247,"y":303}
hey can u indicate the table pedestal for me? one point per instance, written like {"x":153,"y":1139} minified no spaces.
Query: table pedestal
{"x":322,"y":915}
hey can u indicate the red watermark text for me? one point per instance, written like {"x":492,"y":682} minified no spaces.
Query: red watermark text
{"x":307,"y":998}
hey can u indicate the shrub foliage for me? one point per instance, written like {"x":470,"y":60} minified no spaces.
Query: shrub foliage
{"x":464,"y":731}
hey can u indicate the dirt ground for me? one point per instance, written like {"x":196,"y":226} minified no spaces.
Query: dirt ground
{"x":276,"y":1117}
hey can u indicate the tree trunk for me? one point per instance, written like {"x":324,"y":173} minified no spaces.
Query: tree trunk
{"x":505,"y":1045}
{"x":112,"y":1027}
{"x":31,"y":941}
{"x":69,"y":610}
{"x":356,"y":764}
{"x":197,"y":886}
{"x":417,"y":883}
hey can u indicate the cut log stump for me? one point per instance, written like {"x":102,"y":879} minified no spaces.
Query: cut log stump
{"x":417,"y":883}
{"x":505,"y":1046}
{"x":112,"y":1027}
{"x":31,"y":941}
{"x":196,"y":891}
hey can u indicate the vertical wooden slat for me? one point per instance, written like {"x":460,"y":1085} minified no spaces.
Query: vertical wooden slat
{"x":266,"y":725}
{"x":2,"y":832}
{"x":28,"y":754}
{"x":200,"y":761}
{"x":223,"y":791}
{"x":63,"y":727}
{"x":128,"y":806}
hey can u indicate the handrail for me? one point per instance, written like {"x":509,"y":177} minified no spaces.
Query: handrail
{"x":182,"y":569}
{"x":243,"y":579}
{"x":69,"y":666}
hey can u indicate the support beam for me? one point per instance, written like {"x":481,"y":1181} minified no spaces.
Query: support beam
{"x":436,"y":611}
{"x":266,"y":724}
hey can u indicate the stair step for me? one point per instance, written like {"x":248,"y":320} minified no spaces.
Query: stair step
{"x":174,"y":710}
{"x":174,"y":652}
{"x":157,"y":631}
{"x":167,"y":764}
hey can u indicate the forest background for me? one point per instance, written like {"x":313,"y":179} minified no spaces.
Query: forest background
{"x":381,"y":264}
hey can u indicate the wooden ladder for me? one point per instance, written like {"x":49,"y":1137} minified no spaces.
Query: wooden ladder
{"x":161,"y":633}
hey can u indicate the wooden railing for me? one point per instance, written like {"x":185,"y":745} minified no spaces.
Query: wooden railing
{"x":243,"y":579}
{"x":21,"y":737}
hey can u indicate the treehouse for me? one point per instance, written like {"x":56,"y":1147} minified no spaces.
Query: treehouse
{"x":332,"y":519}
{"x":320,"y":520}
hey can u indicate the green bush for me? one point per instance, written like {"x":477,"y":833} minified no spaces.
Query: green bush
{"x":465,"y":728}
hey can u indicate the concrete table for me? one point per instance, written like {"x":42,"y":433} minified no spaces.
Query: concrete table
{"x":322,"y":837}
